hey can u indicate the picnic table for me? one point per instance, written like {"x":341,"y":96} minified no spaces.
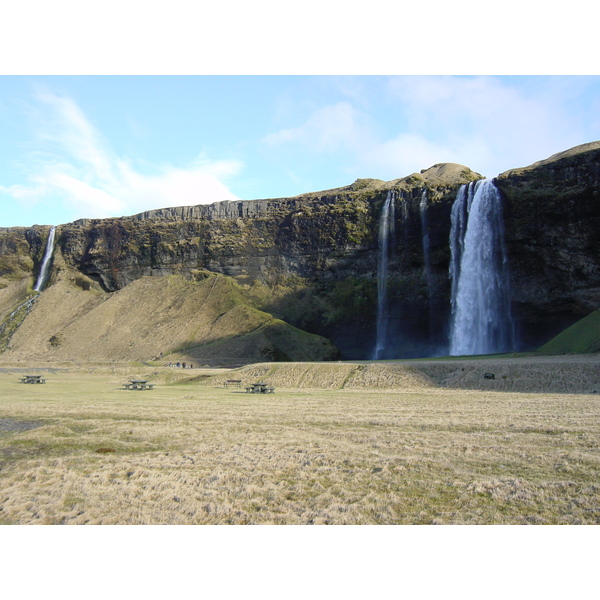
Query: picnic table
{"x":138,"y":384}
{"x":259,"y":388}
{"x":32,"y":379}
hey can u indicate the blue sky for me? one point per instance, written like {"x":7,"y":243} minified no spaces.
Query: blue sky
{"x":98,"y":146}
{"x":112,"y":108}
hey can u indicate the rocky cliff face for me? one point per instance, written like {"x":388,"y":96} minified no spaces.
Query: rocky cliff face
{"x":552,"y":216}
{"x":311,"y":261}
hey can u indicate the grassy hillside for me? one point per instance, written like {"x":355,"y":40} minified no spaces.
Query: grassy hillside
{"x":582,"y":337}
{"x":211,"y":319}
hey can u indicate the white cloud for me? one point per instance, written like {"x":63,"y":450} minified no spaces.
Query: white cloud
{"x":327,"y":129}
{"x":487,"y":123}
{"x":68,"y":130}
{"x":90,"y":200}
{"x":200,"y":183}
{"x":408,"y":153}
{"x":74,"y":165}
{"x":342,"y":127}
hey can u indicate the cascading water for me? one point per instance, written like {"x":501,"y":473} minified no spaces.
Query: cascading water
{"x":481,"y":317}
{"x":16,"y":317}
{"x":44,"y":271}
{"x":386,"y":236}
{"x":13,"y":321}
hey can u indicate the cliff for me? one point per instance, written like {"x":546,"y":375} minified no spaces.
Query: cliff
{"x":259,"y":240}
{"x":308,"y":266}
{"x":552,"y":224}
{"x":313,"y":257}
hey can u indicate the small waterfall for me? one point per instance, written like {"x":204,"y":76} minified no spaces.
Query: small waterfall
{"x":480,"y":293}
{"x":427,"y":256}
{"x":386,"y":237}
{"x":18,"y":315}
{"x":44,"y":271}
{"x":12,"y":322}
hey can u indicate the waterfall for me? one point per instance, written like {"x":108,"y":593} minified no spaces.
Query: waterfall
{"x":458,"y":226}
{"x":427,"y":255}
{"x":14,"y":320}
{"x":16,"y":317}
{"x":386,"y":236}
{"x":480,"y":293}
{"x":44,"y":271}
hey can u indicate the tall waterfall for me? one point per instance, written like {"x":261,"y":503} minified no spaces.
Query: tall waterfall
{"x":481,"y":317}
{"x":386,"y":237}
{"x":44,"y":271}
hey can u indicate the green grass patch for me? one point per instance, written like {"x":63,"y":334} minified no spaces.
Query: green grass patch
{"x":582,"y":337}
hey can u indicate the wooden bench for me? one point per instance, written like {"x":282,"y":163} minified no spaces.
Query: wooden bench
{"x":233,"y":383}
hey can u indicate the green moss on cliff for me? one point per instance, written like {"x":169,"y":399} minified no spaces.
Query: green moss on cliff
{"x":366,"y":184}
{"x":16,"y":261}
{"x":331,"y":222}
{"x":14,"y":267}
{"x":352,"y":298}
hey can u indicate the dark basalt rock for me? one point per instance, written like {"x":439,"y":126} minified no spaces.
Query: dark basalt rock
{"x":552,"y":224}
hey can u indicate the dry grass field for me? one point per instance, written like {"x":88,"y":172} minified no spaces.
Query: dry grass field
{"x":81,"y":450}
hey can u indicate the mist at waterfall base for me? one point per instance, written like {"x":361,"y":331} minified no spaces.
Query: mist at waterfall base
{"x":473,"y":317}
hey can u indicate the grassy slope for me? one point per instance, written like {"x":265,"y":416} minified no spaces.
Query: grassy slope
{"x":582,"y":337}
{"x":211,"y":320}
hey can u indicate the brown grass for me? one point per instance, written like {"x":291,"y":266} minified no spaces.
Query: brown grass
{"x":211,"y":321}
{"x":193,"y":453}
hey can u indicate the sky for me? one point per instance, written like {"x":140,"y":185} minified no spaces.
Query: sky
{"x":109,"y":110}
{"x":92,"y":146}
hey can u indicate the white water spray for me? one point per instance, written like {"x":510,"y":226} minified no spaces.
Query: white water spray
{"x":386,"y":236}
{"x":44,"y":271}
{"x":481,"y":317}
